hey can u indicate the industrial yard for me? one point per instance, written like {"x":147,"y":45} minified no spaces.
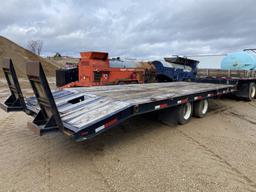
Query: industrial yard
{"x":216,"y":153}
{"x":128,"y":96}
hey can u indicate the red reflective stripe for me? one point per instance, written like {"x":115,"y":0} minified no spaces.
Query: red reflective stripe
{"x":182,"y":101}
{"x":163,"y":105}
{"x":84,"y":133}
{"x":110,"y":123}
{"x":199,"y":98}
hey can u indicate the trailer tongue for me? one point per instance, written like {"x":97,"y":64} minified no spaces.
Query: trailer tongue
{"x":84,"y":112}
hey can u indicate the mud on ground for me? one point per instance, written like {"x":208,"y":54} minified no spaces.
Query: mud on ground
{"x":216,"y":153}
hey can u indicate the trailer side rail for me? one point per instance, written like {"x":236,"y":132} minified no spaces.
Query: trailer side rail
{"x":220,"y":73}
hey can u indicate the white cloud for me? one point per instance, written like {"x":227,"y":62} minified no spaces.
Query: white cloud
{"x":142,"y":28}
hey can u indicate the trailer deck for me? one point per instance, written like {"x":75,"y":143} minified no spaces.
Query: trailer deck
{"x":82,"y":107}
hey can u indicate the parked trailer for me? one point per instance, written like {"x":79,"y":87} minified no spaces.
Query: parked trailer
{"x":245,"y":80}
{"x":85,"y":112}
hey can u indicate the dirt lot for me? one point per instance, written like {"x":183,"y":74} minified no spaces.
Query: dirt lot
{"x":216,"y":153}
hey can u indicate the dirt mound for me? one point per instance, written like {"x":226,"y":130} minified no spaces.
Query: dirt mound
{"x":20,"y":56}
{"x":61,"y":62}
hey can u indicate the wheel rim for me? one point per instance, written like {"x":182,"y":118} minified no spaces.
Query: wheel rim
{"x":187,"y":111}
{"x":253,"y":91}
{"x":205,"y":107}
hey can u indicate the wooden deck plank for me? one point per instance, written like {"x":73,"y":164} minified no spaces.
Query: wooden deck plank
{"x":136,"y":93}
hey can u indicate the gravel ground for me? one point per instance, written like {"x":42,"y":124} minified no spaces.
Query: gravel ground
{"x":216,"y":153}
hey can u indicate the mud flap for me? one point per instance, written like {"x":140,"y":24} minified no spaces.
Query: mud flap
{"x":15,"y":102}
{"x":48,"y":117}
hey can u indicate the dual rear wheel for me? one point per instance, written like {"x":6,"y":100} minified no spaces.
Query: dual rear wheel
{"x":185,"y":111}
{"x":252,"y":91}
{"x":246,"y":91}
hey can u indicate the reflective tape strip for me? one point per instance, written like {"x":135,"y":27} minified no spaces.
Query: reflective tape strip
{"x":107,"y":124}
{"x":161,"y":106}
{"x":110,"y":123}
{"x":182,"y":101}
{"x":198,"y":98}
{"x":157,"y":107}
{"x":99,"y":128}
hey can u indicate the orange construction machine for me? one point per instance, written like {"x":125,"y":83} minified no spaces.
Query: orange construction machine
{"x":94,"y":70}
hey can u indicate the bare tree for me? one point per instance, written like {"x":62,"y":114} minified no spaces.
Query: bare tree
{"x":39,"y":47}
{"x":35,"y":46}
{"x":32,"y":46}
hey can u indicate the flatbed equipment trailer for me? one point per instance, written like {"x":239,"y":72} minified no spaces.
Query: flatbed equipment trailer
{"x":244,"y":80}
{"x":84,"y":112}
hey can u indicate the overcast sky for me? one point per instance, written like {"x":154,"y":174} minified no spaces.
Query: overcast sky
{"x":139,"y":28}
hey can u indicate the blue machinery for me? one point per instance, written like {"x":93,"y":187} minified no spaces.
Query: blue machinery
{"x":182,"y":69}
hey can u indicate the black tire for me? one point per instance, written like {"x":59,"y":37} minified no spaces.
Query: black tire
{"x":134,"y":82}
{"x":121,"y":83}
{"x":184,"y":113}
{"x":246,"y":91}
{"x":252,"y":91}
{"x":201,"y":108}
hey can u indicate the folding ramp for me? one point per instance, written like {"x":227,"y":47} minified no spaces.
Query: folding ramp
{"x":70,"y":111}
{"x":15,"y":102}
